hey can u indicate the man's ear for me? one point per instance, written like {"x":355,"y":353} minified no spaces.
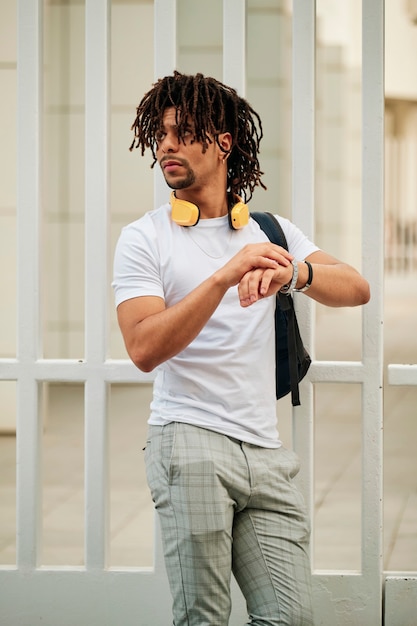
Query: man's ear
{"x":225,"y":142}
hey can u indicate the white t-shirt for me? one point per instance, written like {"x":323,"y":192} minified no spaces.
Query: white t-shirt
{"x":225,"y":379}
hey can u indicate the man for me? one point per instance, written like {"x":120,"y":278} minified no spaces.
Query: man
{"x":194,"y":283}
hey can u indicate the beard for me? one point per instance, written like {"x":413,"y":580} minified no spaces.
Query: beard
{"x":180,"y":182}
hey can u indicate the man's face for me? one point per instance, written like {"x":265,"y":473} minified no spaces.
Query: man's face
{"x":183,"y":163}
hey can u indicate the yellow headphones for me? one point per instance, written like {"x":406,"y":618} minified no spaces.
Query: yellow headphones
{"x":187,"y":213}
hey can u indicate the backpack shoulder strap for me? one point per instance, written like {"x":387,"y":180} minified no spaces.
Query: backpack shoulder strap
{"x":271,"y":227}
{"x":285,"y":307}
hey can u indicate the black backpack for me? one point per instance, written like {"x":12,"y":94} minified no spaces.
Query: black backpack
{"x":291,"y":358}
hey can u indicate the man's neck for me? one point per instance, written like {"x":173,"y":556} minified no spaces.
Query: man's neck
{"x":211,"y":205}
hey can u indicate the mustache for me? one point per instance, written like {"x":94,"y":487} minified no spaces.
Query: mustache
{"x":168,"y":158}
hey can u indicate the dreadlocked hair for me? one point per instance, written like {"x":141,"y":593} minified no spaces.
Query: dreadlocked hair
{"x":214,"y":108}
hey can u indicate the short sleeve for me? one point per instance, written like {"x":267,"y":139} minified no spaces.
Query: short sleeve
{"x":298,"y":243}
{"x":136,"y":268}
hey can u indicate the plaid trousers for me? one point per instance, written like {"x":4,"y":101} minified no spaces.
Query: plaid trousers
{"x":229,"y":506}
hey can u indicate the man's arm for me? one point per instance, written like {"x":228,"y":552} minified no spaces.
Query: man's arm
{"x":334,"y":283}
{"x":154,"y":333}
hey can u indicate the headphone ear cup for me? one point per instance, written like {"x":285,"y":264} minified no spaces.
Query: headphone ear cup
{"x":184,"y":213}
{"x":239,"y":215}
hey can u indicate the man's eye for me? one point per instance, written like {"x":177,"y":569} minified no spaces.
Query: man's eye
{"x":159,"y":136}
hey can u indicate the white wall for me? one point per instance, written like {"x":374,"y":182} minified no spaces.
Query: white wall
{"x":401,"y":49}
{"x":340,"y":24}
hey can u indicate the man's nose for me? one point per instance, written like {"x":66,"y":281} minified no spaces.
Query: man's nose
{"x":169,"y":143}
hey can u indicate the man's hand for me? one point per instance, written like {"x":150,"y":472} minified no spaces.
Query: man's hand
{"x":260,"y":283}
{"x":250,"y":264}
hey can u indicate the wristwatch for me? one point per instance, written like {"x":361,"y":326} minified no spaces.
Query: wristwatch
{"x":289,"y":288}
{"x":309,"y":279}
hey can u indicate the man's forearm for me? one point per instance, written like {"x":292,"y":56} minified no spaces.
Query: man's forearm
{"x":165,"y":333}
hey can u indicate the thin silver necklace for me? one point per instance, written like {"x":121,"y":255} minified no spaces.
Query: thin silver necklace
{"x":212,"y":256}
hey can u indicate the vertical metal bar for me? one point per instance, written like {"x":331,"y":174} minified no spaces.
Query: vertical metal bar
{"x":165,"y":32}
{"x":97,"y":68}
{"x":373,"y":266}
{"x":165,"y":61}
{"x":303,"y":146}
{"x":303,"y":125}
{"x":29,"y":122}
{"x":234,"y":44}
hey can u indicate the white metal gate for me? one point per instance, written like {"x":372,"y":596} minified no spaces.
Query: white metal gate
{"x":94,"y":595}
